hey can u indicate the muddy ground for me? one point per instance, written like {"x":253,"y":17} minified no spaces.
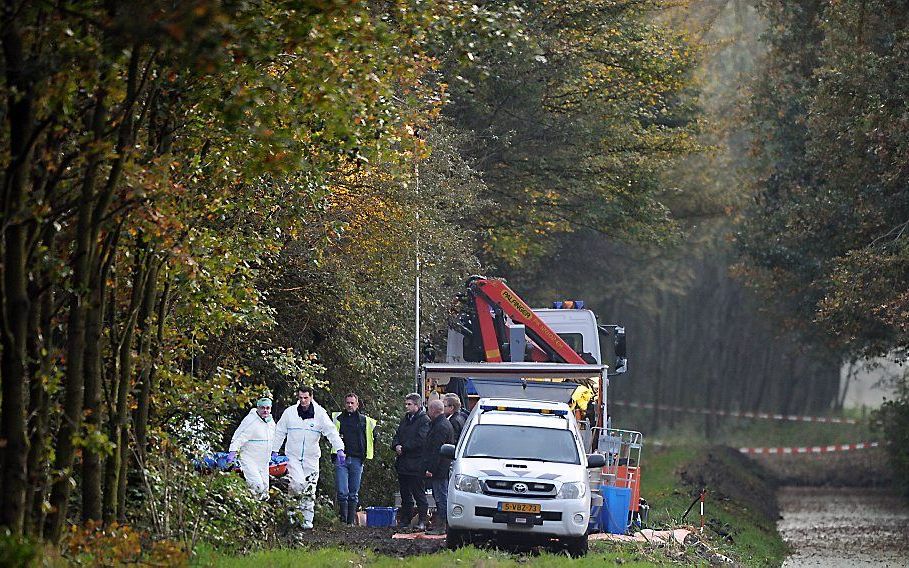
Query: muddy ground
{"x":380,"y":541}
{"x":844,"y":527}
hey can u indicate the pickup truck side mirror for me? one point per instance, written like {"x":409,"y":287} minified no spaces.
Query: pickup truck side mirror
{"x":448,"y":451}
{"x":593,"y":460}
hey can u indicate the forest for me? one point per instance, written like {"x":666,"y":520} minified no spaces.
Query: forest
{"x":204,"y":201}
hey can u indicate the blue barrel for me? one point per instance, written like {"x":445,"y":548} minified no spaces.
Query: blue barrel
{"x":614,"y":515}
{"x":380,"y":516}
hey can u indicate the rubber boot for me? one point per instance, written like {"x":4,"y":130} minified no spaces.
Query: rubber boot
{"x":343,"y":512}
{"x":421,"y":526}
{"x":404,"y":516}
{"x":351,"y":513}
{"x":442,"y":528}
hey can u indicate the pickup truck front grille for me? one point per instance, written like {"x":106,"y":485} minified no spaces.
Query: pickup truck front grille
{"x":529,"y":488}
{"x":499,"y":516}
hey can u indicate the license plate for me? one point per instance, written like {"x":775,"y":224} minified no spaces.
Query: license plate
{"x":532,"y":508}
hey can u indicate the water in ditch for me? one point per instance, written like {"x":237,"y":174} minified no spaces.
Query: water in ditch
{"x":844,"y":527}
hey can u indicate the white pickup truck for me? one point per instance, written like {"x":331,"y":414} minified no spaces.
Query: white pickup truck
{"x":520,"y":473}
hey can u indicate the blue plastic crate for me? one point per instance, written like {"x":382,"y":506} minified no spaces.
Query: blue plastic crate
{"x":380,"y":516}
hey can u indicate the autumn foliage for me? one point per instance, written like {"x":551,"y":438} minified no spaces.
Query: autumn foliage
{"x":206,"y":199}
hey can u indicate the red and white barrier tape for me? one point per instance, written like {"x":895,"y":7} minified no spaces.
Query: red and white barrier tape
{"x":811,"y":449}
{"x":736,"y":414}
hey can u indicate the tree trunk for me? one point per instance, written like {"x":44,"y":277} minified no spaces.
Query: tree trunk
{"x":123,"y":463}
{"x":109,"y":500}
{"x":659,"y":331}
{"x":120,"y":418}
{"x":82,"y":261}
{"x":91,"y":460}
{"x":92,"y":211}
{"x":13,"y":368}
{"x":146,"y":305}
{"x":147,"y":358}
{"x":15,"y":300}
{"x":40,"y":363}
{"x":675,"y":329}
{"x":91,"y":454}
{"x":787,"y":392}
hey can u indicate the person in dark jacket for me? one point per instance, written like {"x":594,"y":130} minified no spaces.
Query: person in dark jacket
{"x":408,"y":443}
{"x":455,"y":416}
{"x":435,"y":466}
{"x":358,"y":432}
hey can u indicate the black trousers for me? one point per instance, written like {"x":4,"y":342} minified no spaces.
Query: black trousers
{"x":413,"y":491}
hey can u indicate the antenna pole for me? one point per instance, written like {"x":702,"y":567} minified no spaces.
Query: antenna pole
{"x":416,"y":341}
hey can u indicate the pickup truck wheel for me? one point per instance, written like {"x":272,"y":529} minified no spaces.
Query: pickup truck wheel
{"x":456,"y":538}
{"x":576,"y":546}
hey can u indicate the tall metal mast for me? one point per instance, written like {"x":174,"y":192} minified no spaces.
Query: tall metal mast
{"x":416,"y":340}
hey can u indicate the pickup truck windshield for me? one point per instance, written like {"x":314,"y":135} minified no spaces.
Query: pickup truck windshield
{"x":521,"y":443}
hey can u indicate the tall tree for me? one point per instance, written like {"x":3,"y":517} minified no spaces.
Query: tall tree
{"x":574,"y":122}
{"x":827,"y":234}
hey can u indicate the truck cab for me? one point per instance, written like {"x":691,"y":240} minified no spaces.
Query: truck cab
{"x":520,"y":473}
{"x":577,"y":327}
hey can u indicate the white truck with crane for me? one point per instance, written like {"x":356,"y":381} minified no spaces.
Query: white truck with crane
{"x":537,"y":386}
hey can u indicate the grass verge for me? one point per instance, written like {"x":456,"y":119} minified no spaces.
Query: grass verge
{"x":469,"y":556}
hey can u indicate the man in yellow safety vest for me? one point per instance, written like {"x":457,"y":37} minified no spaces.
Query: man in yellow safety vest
{"x":580,"y":401}
{"x":358,"y":432}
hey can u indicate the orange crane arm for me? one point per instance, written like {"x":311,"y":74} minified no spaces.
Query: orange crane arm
{"x":496,"y":294}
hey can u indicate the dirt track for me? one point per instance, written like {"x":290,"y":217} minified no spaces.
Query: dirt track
{"x":363,"y":538}
{"x":844,"y":527}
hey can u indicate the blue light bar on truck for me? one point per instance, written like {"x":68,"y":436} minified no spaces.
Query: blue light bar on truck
{"x":486,"y":407}
{"x":568,"y":305}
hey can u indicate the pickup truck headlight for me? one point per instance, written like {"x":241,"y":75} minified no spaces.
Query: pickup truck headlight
{"x":573,"y":490}
{"x":467,"y":484}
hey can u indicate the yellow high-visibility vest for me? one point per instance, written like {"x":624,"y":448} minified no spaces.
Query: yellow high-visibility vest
{"x":580,"y":398}
{"x":370,"y":431}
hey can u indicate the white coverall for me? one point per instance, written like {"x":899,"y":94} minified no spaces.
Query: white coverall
{"x":253,"y":440}
{"x":303,"y":452}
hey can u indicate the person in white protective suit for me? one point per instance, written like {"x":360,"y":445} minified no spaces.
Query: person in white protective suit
{"x":303,"y":425}
{"x":252,"y":441}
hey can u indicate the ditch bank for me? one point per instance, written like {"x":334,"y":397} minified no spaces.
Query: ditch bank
{"x":741,"y":508}
{"x":862,"y":468}
{"x":731,"y":477}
